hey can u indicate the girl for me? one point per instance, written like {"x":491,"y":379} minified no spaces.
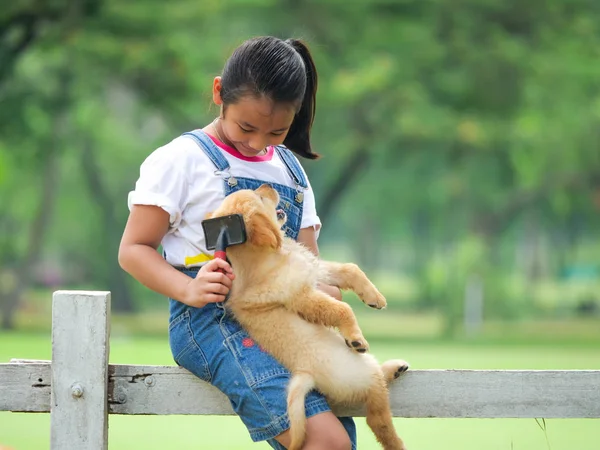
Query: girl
{"x":266,"y":96}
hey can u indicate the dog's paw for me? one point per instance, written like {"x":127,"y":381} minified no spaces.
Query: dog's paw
{"x":400,"y":369}
{"x":394,"y":368}
{"x":374,"y":298}
{"x":358,"y":344}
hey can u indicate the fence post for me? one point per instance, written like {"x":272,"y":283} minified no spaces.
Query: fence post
{"x":80,"y":348}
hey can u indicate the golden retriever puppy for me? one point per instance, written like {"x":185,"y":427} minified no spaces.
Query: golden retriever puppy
{"x":274,"y":297}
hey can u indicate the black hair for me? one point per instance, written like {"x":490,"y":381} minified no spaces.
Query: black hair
{"x":282,"y":71}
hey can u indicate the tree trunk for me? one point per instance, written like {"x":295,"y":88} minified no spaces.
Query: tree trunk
{"x":354,"y":167}
{"x":37,"y":230}
{"x":115,"y":277}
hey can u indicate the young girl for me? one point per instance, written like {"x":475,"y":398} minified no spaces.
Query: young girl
{"x":266,"y":96}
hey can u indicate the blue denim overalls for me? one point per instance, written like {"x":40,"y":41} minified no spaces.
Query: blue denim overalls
{"x":212,"y":345}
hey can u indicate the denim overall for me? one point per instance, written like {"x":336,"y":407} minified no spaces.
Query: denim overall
{"x":209,"y":342}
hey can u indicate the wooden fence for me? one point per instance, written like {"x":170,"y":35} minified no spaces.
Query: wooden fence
{"x":79,"y":388}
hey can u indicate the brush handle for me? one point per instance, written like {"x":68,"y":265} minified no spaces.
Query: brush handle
{"x":221,"y":255}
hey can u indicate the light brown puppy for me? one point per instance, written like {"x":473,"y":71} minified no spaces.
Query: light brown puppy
{"x":274,"y":297}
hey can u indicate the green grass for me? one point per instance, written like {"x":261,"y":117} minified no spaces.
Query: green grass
{"x":31,"y":431}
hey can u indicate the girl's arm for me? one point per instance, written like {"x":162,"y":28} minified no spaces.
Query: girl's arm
{"x":145,"y":228}
{"x":308,"y":237}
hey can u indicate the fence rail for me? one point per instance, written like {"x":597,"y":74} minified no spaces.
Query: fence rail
{"x":80,"y":388}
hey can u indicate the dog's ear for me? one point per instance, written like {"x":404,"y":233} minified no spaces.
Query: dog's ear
{"x":263,"y":231}
{"x":267,"y":191}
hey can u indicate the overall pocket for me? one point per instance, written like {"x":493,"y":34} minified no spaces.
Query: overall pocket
{"x":257,"y":365}
{"x":184,"y":348}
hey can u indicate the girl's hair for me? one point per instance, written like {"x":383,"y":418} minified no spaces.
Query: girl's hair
{"x":282,"y":71}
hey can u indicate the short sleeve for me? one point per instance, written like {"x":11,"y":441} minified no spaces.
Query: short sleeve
{"x":310,"y":217}
{"x":163,"y":183}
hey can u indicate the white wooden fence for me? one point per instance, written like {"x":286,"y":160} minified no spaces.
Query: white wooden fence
{"x":80,"y":388}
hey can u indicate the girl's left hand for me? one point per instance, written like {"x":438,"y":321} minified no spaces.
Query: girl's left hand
{"x":333,"y":291}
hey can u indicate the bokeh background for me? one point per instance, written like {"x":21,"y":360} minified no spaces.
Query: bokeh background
{"x":460,"y":169}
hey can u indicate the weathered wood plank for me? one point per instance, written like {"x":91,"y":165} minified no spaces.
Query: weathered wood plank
{"x":419,"y":393}
{"x":80,"y":347}
{"x":25,"y":387}
{"x":162,"y":390}
{"x":497,"y":394}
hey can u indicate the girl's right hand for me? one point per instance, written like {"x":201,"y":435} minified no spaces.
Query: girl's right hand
{"x":210,"y":284}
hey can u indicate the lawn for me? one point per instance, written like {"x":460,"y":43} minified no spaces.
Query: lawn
{"x":31,"y":431}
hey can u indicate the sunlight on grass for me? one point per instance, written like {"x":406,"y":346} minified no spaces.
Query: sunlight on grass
{"x":227,"y":433}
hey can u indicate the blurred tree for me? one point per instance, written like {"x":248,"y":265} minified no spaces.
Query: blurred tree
{"x":445,"y":127}
{"x":23,"y":22}
{"x":21,"y":25}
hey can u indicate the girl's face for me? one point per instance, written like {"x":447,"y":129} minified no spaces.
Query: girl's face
{"x":252,"y":124}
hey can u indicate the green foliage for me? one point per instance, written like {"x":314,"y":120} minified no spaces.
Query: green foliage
{"x":445,"y":127}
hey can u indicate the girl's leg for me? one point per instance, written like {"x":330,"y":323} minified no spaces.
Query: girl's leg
{"x":324,"y":431}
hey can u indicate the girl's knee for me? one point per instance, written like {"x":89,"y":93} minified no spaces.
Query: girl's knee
{"x":341,"y":441}
{"x":325,"y":432}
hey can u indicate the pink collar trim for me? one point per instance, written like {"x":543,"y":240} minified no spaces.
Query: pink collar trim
{"x":233,"y":152}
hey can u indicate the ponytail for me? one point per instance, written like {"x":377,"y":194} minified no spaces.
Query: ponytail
{"x":298,"y":137}
{"x":283,"y":71}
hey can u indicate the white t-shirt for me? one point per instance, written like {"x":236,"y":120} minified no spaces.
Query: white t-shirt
{"x":180,"y":178}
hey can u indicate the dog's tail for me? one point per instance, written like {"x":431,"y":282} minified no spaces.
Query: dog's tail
{"x":300,"y":385}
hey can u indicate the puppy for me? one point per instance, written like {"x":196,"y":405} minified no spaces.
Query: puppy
{"x":274,"y":297}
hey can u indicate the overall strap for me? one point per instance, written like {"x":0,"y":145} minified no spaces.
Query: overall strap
{"x":293,"y":166}
{"x":210,"y":148}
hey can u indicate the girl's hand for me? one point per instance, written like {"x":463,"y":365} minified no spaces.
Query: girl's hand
{"x":210,"y":285}
{"x":308,"y":238}
{"x":330,"y":290}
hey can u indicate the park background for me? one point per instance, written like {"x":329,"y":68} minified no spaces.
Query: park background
{"x":460,"y":169}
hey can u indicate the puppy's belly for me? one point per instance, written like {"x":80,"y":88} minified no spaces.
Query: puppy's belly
{"x":339,"y":373}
